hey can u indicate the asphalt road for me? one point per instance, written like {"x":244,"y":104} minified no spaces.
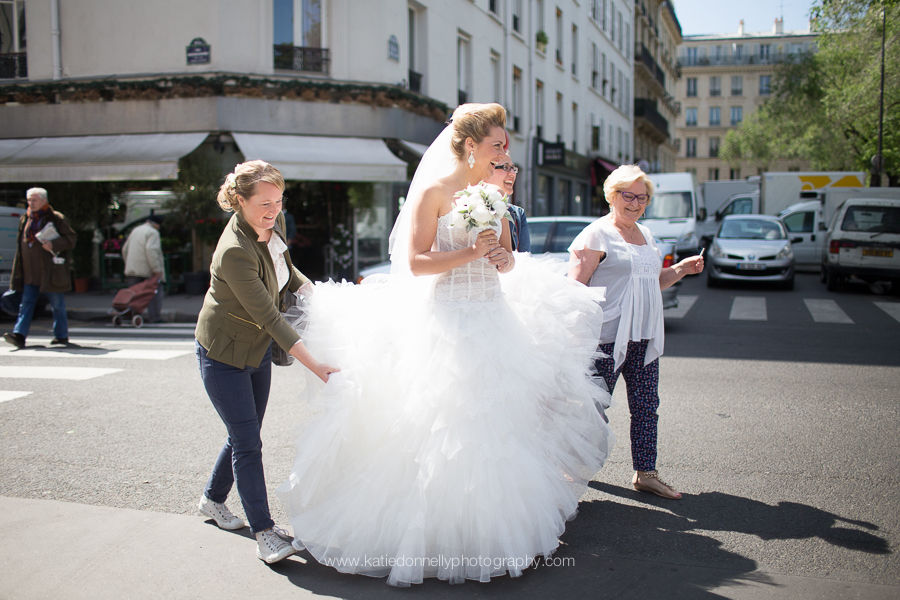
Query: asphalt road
{"x":781,"y":433}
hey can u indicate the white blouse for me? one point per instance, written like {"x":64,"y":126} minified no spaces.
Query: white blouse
{"x":276,"y":251}
{"x":633,"y":309}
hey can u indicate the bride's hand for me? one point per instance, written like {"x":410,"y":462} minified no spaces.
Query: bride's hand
{"x":499,"y":257}
{"x":486,"y":242}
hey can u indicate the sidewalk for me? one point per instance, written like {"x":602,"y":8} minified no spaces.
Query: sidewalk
{"x":96,"y":306}
{"x":51,"y":549}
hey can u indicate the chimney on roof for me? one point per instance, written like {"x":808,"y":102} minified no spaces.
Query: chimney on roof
{"x":741,"y":28}
{"x":779,"y":26}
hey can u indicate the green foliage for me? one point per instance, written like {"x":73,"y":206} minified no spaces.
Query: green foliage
{"x":541,"y":37}
{"x":194,"y":205}
{"x":361,"y":195}
{"x":824,"y":107}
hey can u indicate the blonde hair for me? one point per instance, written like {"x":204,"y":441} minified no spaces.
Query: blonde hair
{"x":622,"y":178}
{"x":474,"y":121}
{"x":244,"y":181}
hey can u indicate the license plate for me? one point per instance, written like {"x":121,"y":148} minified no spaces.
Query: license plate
{"x":882,"y":252}
{"x":751,"y":266}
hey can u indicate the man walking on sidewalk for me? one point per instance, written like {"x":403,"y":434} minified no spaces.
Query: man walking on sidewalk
{"x":143,"y":257}
{"x":41,"y":266}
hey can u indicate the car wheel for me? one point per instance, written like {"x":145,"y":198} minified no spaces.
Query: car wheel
{"x":711,"y":281}
{"x":788,"y":285}
{"x":823,"y":277}
{"x":832,"y":281}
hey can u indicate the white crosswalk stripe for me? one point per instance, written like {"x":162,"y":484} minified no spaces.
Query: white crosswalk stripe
{"x":51,"y":369}
{"x":89,"y":352}
{"x":826,"y":311}
{"x":55,"y":372}
{"x":4,"y":396}
{"x":748,"y":308}
{"x":891,"y":308}
{"x":684,"y":305}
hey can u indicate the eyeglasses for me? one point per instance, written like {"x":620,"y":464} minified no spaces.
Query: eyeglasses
{"x":507,"y":168}
{"x":629,"y":197}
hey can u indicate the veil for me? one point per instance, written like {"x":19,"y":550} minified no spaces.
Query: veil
{"x":437,"y":162}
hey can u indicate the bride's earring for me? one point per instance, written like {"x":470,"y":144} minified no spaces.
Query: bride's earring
{"x":471,"y":160}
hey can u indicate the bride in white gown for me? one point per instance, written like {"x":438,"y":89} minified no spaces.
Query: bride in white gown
{"x":464,"y":425}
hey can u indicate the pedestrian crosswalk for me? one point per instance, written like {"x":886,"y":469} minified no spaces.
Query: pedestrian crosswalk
{"x":40,"y":361}
{"x":756,"y":308}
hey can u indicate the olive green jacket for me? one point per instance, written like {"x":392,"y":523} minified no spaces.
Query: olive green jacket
{"x":240,"y":314}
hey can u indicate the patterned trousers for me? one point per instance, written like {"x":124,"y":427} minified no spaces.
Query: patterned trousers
{"x":642,"y":387}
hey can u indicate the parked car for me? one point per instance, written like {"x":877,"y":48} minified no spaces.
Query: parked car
{"x":751,"y":248}
{"x":554,"y":235}
{"x":863,"y":240}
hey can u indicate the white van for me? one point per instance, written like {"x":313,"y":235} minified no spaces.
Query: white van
{"x":9,"y":228}
{"x":676,"y":211}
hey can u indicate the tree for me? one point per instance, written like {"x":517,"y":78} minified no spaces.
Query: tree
{"x":825,"y":106}
{"x":199,"y":178}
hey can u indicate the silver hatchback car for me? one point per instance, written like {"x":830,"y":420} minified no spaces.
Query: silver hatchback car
{"x":751,"y":248}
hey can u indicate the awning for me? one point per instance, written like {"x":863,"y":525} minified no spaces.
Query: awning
{"x":96,"y":157}
{"x":607,"y":165}
{"x":318,"y":158}
{"x":418,"y":149}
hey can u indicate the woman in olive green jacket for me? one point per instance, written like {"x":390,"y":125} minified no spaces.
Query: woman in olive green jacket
{"x":251,"y":269}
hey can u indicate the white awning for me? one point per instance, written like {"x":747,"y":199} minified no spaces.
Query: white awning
{"x":318,"y":158}
{"x":417,"y":149}
{"x":96,"y":157}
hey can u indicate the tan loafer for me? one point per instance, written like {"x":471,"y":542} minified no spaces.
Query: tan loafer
{"x":649,"y":481}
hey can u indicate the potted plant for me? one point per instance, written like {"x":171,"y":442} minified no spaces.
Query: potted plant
{"x":541,"y":40}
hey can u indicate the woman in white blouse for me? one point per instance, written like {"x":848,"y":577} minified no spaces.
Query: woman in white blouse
{"x":618,"y":253}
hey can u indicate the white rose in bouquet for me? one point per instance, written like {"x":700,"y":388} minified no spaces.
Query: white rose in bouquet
{"x":479,"y":206}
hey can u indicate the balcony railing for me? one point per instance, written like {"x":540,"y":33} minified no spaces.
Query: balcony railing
{"x":297,"y":58}
{"x":415,"y":82}
{"x":646,"y":109}
{"x":728,"y":61}
{"x":642,"y":54}
{"x":14,"y":65}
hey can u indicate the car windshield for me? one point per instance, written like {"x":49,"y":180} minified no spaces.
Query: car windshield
{"x":670,"y":205}
{"x":751,"y":229}
{"x":872,"y":219}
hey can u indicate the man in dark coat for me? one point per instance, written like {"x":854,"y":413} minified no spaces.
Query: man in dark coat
{"x":41,"y":266}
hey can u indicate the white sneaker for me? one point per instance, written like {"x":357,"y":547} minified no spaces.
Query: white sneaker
{"x":271,"y":548}
{"x":218,"y":512}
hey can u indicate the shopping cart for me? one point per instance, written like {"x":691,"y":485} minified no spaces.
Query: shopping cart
{"x":132,"y":301}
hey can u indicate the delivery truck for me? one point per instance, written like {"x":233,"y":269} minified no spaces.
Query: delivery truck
{"x":676,"y":211}
{"x":778,"y":191}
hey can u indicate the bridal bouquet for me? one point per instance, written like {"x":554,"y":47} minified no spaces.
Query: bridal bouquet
{"x":479,"y":207}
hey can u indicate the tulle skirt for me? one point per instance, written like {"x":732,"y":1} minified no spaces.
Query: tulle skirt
{"x":458,"y":437}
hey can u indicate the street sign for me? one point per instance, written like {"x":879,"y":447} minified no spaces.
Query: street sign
{"x":198,"y":52}
{"x":553,"y":153}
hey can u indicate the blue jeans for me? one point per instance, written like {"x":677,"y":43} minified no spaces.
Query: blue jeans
{"x":240,"y":397}
{"x":30,"y":295}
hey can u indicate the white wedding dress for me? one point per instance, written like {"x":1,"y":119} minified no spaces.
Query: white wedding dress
{"x":463,"y":427}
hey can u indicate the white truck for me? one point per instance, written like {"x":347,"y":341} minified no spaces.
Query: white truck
{"x":807,"y":222}
{"x":716,"y":195}
{"x":676,"y":211}
{"x":777,"y":191}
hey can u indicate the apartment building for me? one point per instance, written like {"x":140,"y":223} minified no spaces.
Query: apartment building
{"x":330,"y":91}
{"x":725,"y":78}
{"x":656,"y":72}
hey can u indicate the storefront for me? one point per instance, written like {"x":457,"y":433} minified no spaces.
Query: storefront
{"x":562,"y":181}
